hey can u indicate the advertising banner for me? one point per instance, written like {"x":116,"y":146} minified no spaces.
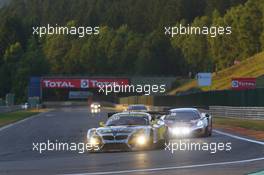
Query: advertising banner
{"x":243,"y":83}
{"x":81,"y":83}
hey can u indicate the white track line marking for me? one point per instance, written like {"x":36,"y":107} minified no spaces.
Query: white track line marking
{"x":240,"y":138}
{"x":20,"y":121}
{"x":170,"y":168}
{"x":187,"y":166}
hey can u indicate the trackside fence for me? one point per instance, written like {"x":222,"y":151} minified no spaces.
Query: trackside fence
{"x":247,"y":98}
{"x":227,"y":103}
{"x":4,"y":109}
{"x":240,"y":112}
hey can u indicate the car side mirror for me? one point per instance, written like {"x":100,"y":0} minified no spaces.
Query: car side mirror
{"x":157,"y":117}
{"x":207,"y":115}
{"x":101,"y":124}
{"x":160,"y":122}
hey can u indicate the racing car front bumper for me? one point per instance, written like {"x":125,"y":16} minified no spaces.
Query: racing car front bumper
{"x":122,"y":143}
{"x":181,"y":131}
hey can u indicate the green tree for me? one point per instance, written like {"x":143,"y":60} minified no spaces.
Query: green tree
{"x":157,"y":57}
{"x":195,"y":47}
{"x":56,"y":48}
{"x":244,"y":40}
{"x":33,"y":63}
{"x":12,"y":56}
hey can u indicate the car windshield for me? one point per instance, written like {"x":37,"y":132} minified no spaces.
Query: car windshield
{"x":183,"y":116}
{"x":137,"y":107}
{"x":118,"y":120}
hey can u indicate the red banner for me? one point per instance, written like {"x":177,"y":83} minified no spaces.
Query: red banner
{"x":243,"y":83}
{"x":81,"y":83}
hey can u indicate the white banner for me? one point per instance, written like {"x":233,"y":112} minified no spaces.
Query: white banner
{"x":204,"y":79}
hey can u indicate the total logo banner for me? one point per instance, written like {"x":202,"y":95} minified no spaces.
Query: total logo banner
{"x":81,"y":83}
{"x":243,"y":83}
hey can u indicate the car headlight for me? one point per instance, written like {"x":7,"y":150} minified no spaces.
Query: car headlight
{"x":185,"y":131}
{"x":176,"y":131}
{"x":180,"y":131}
{"x":141,"y":140}
{"x":138,"y":138}
{"x":92,"y":105}
{"x":95,"y":110}
{"x":200,"y":123}
{"x":94,"y":141}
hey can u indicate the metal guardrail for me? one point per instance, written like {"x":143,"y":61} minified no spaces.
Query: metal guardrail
{"x":238,"y":112}
{"x":226,"y":111}
{"x":4,"y":109}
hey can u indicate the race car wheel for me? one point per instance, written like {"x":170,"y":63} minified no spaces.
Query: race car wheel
{"x":166,"y":137}
{"x":206,"y":132}
{"x":210,"y":133}
{"x":161,"y":144}
{"x":211,"y":129}
{"x":152,"y":145}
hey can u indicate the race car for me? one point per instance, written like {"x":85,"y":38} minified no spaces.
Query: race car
{"x":95,"y":107}
{"x":186,"y":122}
{"x":137,"y":108}
{"x":126,"y":131}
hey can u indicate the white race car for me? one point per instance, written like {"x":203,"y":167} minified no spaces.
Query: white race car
{"x":185,"y":122}
{"x":126,"y":131}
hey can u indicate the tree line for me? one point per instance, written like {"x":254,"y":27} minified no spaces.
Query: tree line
{"x":131,"y":39}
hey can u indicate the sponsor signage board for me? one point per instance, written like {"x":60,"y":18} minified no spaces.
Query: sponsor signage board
{"x":79,"y":94}
{"x":243,"y":83}
{"x":204,"y":79}
{"x":81,"y":83}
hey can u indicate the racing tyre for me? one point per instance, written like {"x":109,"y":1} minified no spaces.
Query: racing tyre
{"x":160,"y":144}
{"x":211,"y":130}
{"x":206,"y":132}
{"x":152,"y":145}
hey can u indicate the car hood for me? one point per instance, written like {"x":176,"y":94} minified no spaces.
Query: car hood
{"x":171,"y":123}
{"x":119,"y":129}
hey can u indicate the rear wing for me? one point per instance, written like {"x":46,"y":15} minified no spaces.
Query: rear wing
{"x":109,"y":114}
{"x":154,"y":114}
{"x":157,"y":114}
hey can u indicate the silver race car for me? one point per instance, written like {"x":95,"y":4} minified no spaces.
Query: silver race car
{"x":186,"y":122}
{"x":137,"y":108}
{"x":126,"y":131}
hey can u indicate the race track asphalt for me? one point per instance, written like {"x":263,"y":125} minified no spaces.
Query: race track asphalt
{"x":71,"y":124}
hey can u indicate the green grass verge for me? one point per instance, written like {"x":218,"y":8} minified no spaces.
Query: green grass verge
{"x":11,"y":117}
{"x":257,"y":125}
{"x":257,"y":173}
{"x":251,"y":67}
